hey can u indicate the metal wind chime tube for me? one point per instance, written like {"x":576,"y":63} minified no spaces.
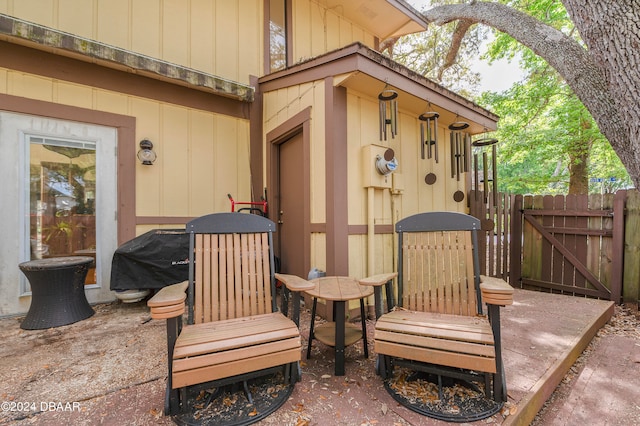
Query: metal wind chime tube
{"x":388,"y":106}
{"x":460,"y":144}
{"x":489,"y":168}
{"x":475,"y":173}
{"x":429,"y":134}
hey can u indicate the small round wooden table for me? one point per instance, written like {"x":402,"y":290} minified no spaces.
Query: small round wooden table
{"x":57,"y":291}
{"x":338,"y":333}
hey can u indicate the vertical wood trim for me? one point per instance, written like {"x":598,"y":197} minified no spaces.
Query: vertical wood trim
{"x":336,"y":179}
{"x":255,"y":142}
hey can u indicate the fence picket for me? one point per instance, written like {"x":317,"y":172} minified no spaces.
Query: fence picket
{"x":597,"y":231}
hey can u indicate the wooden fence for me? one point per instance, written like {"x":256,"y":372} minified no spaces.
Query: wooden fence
{"x":584,"y":245}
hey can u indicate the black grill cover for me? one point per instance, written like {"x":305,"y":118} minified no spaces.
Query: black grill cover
{"x":152,"y":260}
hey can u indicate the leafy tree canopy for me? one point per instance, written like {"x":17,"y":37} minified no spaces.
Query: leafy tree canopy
{"x":549,"y":141}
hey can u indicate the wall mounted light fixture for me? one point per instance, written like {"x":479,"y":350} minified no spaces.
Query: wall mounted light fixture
{"x":146,"y":154}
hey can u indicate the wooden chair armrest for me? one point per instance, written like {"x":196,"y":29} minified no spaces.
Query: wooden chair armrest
{"x":294,"y":282}
{"x":169,"y":295}
{"x":378,"y":280}
{"x":496,"y":291}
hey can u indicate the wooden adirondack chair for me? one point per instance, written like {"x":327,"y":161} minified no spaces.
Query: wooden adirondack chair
{"x":234,"y":330}
{"x":438,"y":327}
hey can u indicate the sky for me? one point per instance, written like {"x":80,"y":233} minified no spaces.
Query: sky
{"x":498,"y":76}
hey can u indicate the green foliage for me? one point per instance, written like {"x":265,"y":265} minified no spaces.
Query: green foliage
{"x":545,"y":132}
{"x":544,"y":129}
{"x":426,"y":53}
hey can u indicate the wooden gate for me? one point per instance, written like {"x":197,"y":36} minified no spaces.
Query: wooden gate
{"x":583,"y":245}
{"x":571,"y":244}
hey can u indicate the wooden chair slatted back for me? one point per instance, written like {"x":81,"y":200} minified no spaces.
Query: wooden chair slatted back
{"x":437,"y":265}
{"x":438,"y":272}
{"x":231,"y":274}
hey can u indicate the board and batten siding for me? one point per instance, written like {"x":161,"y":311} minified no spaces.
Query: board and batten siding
{"x":218,"y":37}
{"x":202,"y":156}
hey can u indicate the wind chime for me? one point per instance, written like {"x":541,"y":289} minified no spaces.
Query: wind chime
{"x":483,"y":148}
{"x":429,"y":140}
{"x":460,"y":142}
{"x":388,"y":105}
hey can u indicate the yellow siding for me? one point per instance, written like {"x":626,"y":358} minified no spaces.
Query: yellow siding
{"x":30,"y":86}
{"x":173,"y":156}
{"x":148,"y":178}
{"x":384,"y":255}
{"x":417,"y":196}
{"x":219,"y":37}
{"x":73,"y":94}
{"x":146,"y":31}
{"x":250,"y":38}
{"x":318,"y":30}
{"x":318,"y":256}
{"x":202,"y":156}
{"x":362,"y":130}
{"x":3,"y":80}
{"x":202,"y":167}
{"x":40,"y":11}
{"x":76,"y":20}
{"x":175,"y":33}
{"x":202,"y":15}
{"x":112,"y":25}
{"x":226,"y":32}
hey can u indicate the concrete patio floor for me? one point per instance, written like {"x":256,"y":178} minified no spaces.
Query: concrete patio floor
{"x":111,"y":369}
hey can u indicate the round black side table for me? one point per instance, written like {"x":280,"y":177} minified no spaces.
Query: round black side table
{"x":57,"y":291}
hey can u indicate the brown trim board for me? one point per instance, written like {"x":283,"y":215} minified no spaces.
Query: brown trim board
{"x":38,"y":62}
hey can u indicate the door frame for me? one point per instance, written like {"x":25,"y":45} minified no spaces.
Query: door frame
{"x":299,"y":123}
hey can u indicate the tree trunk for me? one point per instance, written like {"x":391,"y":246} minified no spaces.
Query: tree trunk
{"x":579,"y":173}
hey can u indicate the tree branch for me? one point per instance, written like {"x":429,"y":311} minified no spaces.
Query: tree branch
{"x":582,"y":72}
{"x":458,"y":35}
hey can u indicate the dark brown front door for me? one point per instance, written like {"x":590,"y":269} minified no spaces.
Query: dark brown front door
{"x":291,"y":209}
